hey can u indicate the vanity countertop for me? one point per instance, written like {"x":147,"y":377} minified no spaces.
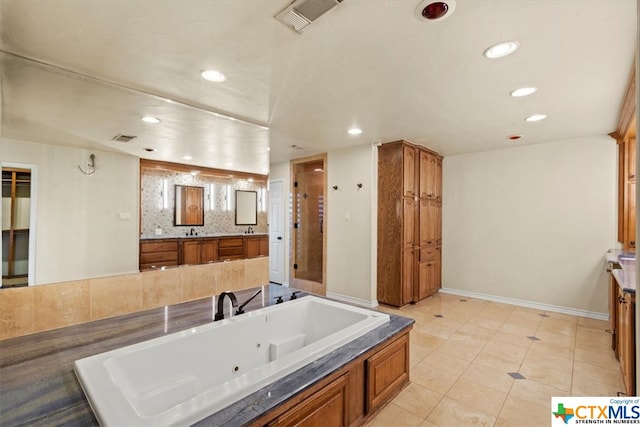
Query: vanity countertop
{"x":625,"y":275}
{"x":203,"y":236}
{"x":39,"y":387}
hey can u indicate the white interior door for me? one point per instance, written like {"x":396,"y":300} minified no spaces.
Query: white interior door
{"x":276,"y":232}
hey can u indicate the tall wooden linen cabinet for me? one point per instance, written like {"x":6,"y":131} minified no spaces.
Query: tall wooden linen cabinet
{"x":409,"y":223}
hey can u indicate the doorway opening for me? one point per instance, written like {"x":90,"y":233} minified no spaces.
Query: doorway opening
{"x":18,"y":218}
{"x":308,"y":214}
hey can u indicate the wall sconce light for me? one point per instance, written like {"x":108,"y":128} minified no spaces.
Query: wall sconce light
{"x":212,"y":198}
{"x":165,"y":193}
{"x":91,"y":166}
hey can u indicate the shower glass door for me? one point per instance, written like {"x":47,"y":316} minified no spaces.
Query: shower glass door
{"x":308,"y":212}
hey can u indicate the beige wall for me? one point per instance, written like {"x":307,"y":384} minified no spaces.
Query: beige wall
{"x":79,"y":234}
{"x":532,"y":223}
{"x":351,"y":220}
{"x":34,"y":309}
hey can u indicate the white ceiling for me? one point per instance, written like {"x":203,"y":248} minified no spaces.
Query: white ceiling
{"x":80,"y":72}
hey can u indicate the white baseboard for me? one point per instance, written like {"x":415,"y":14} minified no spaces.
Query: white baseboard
{"x":529,"y":304}
{"x":351,"y":300}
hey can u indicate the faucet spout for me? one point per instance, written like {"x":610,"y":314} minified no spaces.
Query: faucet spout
{"x":220,"y":311}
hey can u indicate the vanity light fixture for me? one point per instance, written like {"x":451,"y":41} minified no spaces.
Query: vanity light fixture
{"x":250,"y":179}
{"x":502,"y":49}
{"x":523,"y":91}
{"x":164,"y":194}
{"x":150,"y":119}
{"x":354,"y":131}
{"x":212,"y":197}
{"x":213,"y":76}
{"x":535,"y":117}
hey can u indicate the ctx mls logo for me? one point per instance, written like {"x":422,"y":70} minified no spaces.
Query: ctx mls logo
{"x":564,"y":413}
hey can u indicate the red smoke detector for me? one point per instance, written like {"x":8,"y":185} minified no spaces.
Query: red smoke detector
{"x":435,"y":10}
{"x":514,"y":137}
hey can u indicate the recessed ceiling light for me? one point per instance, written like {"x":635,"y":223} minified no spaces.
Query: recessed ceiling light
{"x":187,"y":157}
{"x":523,"y":91}
{"x":354,"y":131}
{"x":432,"y":10}
{"x":535,"y":117}
{"x":229,"y":165}
{"x":150,"y":119}
{"x":213,"y":76}
{"x":150,"y":150}
{"x":501,"y":50}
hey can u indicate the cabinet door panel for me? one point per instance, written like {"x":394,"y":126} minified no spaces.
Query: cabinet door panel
{"x":208,"y":251}
{"x":387,"y":371}
{"x":425,"y":279}
{"x":438,"y":185}
{"x":409,"y":170}
{"x":408,"y":225}
{"x":407,"y":276}
{"x":423,"y":174}
{"x":631,"y":214}
{"x":191,"y":253}
{"x":326,"y":408}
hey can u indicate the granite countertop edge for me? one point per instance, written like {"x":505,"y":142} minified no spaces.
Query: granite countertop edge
{"x":203,"y":236}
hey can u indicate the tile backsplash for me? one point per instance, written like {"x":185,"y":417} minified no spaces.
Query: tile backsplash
{"x":158,"y":203}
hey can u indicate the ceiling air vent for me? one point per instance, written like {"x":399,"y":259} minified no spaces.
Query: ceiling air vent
{"x":299,"y":14}
{"x":122,"y":138}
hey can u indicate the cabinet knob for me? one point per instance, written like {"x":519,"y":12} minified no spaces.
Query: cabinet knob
{"x":632,"y":243}
{"x":632,"y":177}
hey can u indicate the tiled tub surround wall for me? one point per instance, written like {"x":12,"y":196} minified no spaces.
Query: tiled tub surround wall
{"x":39,"y":386}
{"x":216,"y":220}
{"x":40,"y":308}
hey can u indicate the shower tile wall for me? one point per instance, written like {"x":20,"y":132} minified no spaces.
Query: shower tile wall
{"x":217,"y":218}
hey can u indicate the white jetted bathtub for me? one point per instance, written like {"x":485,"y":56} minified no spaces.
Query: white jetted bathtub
{"x":181,"y":378}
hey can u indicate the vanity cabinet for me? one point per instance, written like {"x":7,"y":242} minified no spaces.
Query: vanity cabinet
{"x":409,"y":223}
{"x":158,"y":253}
{"x":625,"y":339}
{"x":351,"y":395}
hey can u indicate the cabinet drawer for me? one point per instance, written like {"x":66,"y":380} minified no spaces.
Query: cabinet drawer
{"x":159,"y":246}
{"x":158,"y":256}
{"x":231,"y":243}
{"x":387,"y":372}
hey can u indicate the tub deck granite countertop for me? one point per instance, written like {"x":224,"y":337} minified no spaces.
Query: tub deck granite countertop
{"x":39,"y":387}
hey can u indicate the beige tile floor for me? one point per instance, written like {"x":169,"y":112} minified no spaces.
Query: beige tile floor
{"x":460,"y":364}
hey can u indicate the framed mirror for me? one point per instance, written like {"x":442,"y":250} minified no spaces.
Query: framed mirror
{"x":189,"y":209}
{"x":246,"y":207}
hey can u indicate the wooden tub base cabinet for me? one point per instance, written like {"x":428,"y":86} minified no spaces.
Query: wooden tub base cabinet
{"x":352,"y":394}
